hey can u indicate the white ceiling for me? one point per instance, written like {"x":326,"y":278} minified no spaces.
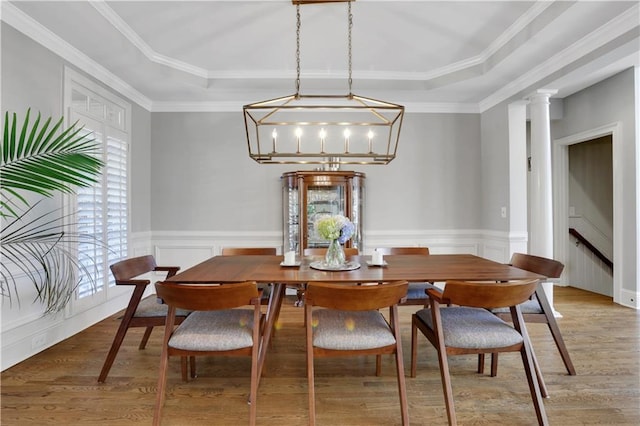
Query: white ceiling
{"x":428,"y":55}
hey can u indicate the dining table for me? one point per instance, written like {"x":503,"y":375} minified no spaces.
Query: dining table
{"x":412,"y":268}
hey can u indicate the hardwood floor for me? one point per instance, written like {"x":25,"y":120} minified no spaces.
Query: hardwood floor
{"x":59,"y":385}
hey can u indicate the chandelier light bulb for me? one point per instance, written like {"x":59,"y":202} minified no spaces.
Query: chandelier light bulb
{"x":347,"y":133}
{"x":323,"y":134}
{"x":274,"y":136}
{"x":298,"y":134}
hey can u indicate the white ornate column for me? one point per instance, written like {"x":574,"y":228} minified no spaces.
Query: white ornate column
{"x":541,"y":220}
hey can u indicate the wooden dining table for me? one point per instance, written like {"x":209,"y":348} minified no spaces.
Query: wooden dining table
{"x":412,"y":268}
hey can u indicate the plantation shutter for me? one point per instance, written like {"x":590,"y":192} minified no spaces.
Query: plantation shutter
{"x":101,"y":211}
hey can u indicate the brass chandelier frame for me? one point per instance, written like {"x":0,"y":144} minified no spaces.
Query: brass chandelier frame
{"x":323,"y":129}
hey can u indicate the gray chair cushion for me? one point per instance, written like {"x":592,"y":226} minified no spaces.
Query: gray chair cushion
{"x":472,"y":328}
{"x":215,"y":331}
{"x":418,"y":290}
{"x":266,"y":290}
{"x":349,"y":330}
{"x":528,"y":307}
{"x":149,"y":307}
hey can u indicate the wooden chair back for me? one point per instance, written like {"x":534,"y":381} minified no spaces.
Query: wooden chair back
{"x":125,"y":270}
{"x":248,"y":251}
{"x":321,"y":251}
{"x":204,"y":297}
{"x":355,"y":297}
{"x":253,"y":251}
{"x":487,"y":295}
{"x":403,"y":250}
{"x":550,"y":268}
{"x":417,"y":294}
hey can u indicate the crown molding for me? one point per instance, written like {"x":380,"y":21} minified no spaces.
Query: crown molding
{"x":118,"y":23}
{"x":32,"y":29}
{"x":410,"y":107}
{"x":613,"y":29}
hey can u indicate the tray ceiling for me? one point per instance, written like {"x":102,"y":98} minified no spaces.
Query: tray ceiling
{"x":428,"y":55}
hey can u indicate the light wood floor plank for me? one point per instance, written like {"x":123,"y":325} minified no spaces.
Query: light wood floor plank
{"x":59,"y":385}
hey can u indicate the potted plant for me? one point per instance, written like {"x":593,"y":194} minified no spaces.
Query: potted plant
{"x":43,"y":159}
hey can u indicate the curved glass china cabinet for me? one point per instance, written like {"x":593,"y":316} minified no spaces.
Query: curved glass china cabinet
{"x":308,"y":194}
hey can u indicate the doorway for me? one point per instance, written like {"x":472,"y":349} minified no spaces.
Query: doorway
{"x":565,"y":217}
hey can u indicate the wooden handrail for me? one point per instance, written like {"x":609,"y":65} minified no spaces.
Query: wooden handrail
{"x":591,"y":247}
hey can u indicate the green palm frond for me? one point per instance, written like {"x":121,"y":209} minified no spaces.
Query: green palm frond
{"x":44,"y":160}
{"x":38,"y":247}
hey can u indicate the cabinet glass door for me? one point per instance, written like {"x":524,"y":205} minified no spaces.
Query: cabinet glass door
{"x":322,"y":200}
{"x":291,"y":207}
{"x":306,"y":195}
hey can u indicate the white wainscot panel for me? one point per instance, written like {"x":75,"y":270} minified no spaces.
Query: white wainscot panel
{"x":182,"y":256}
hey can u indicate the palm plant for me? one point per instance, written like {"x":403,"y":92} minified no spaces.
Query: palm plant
{"x":45,"y":160}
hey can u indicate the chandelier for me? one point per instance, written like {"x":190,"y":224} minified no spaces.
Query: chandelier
{"x":323,"y":129}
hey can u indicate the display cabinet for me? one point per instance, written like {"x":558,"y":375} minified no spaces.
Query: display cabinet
{"x":308,"y":194}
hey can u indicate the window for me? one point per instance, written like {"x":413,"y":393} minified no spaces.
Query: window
{"x":100,"y":211}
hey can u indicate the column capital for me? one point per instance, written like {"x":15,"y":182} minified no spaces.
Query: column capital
{"x":541,"y":94}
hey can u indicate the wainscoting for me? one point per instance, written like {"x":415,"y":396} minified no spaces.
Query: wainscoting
{"x":189,"y":248}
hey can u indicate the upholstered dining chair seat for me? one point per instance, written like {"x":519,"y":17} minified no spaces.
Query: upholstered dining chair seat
{"x":472,"y":328}
{"x":224,"y":330}
{"x":149,"y":307}
{"x":419,"y":290}
{"x":529,"y":307}
{"x":350,"y":330}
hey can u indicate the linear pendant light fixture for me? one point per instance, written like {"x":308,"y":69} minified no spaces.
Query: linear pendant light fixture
{"x":323,"y":129}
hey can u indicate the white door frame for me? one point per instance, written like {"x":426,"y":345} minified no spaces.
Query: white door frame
{"x":560,"y":166}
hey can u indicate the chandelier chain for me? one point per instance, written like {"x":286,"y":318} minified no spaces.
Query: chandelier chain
{"x":350,"y":24}
{"x":298,"y":50}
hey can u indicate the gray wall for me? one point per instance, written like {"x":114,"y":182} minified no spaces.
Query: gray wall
{"x":31,"y":76}
{"x":495,"y":167}
{"x":140,"y":183}
{"x":202,"y":177}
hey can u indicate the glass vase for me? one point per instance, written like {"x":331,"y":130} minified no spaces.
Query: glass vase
{"x":335,"y":255}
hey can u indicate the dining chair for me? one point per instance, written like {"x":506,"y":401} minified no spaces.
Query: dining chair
{"x":417,"y":293}
{"x":316,"y":251}
{"x":344,"y":320}
{"x":140,"y":312}
{"x":537,"y":309}
{"x":253,"y":251}
{"x":467,"y":326}
{"x":220,"y":325}
{"x":266,"y":289}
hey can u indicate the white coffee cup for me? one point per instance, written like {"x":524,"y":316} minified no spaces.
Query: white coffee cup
{"x":290,"y":258}
{"x":376,"y":258}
